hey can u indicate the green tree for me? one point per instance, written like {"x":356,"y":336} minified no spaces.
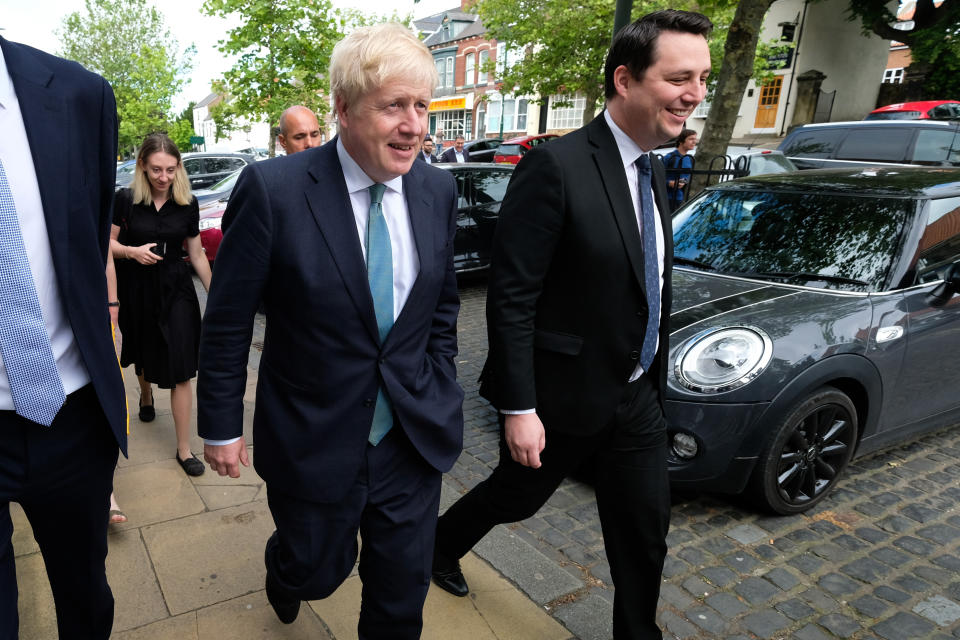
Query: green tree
{"x":181,"y":129}
{"x":127,"y":43}
{"x":933,"y":38}
{"x":283,"y":51}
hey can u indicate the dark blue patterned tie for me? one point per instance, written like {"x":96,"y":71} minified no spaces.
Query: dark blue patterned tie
{"x":651,"y":263}
{"x":380,"y":277}
{"x":24,"y":344}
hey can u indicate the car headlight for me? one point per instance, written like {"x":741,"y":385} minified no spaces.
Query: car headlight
{"x":719,"y":360}
{"x":210,"y":223}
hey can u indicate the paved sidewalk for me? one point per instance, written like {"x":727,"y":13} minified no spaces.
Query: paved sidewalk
{"x":188,"y":564}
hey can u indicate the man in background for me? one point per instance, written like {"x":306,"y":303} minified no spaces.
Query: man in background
{"x":62,"y":404}
{"x":456,"y":153}
{"x":426,"y":151}
{"x":299,"y":129}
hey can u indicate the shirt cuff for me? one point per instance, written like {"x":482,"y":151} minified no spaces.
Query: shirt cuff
{"x":219,"y":443}
{"x":517,"y":412}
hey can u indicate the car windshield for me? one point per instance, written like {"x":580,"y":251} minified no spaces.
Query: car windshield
{"x":825,"y":240}
{"x":894,"y":115}
{"x":227,"y":183}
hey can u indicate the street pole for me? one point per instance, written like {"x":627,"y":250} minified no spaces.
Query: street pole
{"x":622,"y":16}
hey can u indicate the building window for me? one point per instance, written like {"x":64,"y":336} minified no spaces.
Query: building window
{"x":441,"y":71}
{"x":568,"y":117}
{"x":501,"y":58}
{"x":702,"y":110}
{"x":468,"y":67}
{"x":482,"y":119}
{"x":452,"y":123}
{"x":482,"y":72}
{"x":493,"y":116}
{"x":450,"y":67}
{"x":522,"y":115}
{"x":893,"y":76}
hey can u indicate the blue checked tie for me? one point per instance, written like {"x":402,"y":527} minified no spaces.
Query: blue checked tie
{"x":651,"y":263}
{"x":24,"y":344}
{"x":380,"y":277}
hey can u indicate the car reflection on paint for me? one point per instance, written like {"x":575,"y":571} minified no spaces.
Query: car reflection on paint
{"x":811,"y":314}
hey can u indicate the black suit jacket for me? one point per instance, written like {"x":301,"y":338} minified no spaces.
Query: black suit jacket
{"x":71,"y":121}
{"x":291,"y":238}
{"x":566,"y":308}
{"x":450,"y":155}
{"x":433,"y":158}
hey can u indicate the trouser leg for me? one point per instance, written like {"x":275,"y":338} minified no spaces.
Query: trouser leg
{"x":397,"y":531}
{"x":9,"y":620}
{"x":633,"y":498}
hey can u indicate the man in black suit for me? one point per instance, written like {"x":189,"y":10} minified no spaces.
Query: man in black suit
{"x":62,"y":405}
{"x":426,"y":152}
{"x":577,"y":309}
{"x":456,"y":153}
{"x":358,"y":411}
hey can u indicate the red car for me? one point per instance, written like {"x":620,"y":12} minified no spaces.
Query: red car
{"x":510,"y":151}
{"x":211,"y":214}
{"x":923,"y":110}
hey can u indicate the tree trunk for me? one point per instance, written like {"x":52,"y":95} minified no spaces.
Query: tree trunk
{"x":272,"y":143}
{"x":735,"y":71}
{"x":590,"y":104}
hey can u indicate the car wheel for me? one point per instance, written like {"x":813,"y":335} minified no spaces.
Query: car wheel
{"x":807,"y":453}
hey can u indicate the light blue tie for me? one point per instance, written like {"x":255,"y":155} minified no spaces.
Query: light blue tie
{"x":24,"y":344}
{"x":380,"y":277}
{"x":651,"y":263}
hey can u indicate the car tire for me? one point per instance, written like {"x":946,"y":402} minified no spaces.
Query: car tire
{"x":807,"y":453}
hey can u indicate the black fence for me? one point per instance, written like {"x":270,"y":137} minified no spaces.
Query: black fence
{"x":682,"y":169}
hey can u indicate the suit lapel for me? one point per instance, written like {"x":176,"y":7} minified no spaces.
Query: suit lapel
{"x":330,"y":205}
{"x":608,"y":161}
{"x":47,"y":126}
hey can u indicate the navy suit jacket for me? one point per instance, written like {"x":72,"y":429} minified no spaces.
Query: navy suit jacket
{"x":71,"y":121}
{"x":450,"y":155}
{"x":291,"y":239}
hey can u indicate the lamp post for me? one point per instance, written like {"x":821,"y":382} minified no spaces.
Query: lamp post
{"x":622,"y":16}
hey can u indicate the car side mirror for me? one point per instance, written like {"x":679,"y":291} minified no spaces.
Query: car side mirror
{"x":944,"y":291}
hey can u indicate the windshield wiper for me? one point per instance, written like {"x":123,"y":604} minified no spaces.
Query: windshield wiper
{"x":694,"y":263}
{"x":807,"y":276}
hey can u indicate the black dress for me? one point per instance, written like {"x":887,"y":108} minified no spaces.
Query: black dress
{"x":159,"y":310}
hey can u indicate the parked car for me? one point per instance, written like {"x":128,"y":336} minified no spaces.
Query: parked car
{"x":125,"y":174}
{"x":206,"y":168}
{"x":510,"y":151}
{"x":874,"y":143}
{"x":218,"y":191}
{"x":480,"y":190}
{"x":814,"y":319}
{"x":923,"y":110}
{"x":211,"y":217}
{"x":482,"y":149}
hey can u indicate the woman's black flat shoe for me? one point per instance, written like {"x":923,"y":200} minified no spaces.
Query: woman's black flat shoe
{"x":191,"y":466}
{"x":147,"y":412}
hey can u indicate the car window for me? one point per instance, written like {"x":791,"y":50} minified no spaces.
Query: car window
{"x":940,"y":243}
{"x":888,"y":145}
{"x":490,"y":186}
{"x":894,"y":115}
{"x":756,"y":232}
{"x":236,"y":163}
{"x":764,"y":163}
{"x":462,"y":195}
{"x":510,"y":150}
{"x":193,"y":166}
{"x":933,"y":147}
{"x":537,"y":141}
{"x":813,"y":144}
{"x":221,"y":164}
{"x":226,"y":183}
{"x":948,"y":111}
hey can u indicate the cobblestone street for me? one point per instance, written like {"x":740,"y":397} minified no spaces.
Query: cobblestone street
{"x":880,"y":558}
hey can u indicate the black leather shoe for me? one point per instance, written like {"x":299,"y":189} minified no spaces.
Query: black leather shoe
{"x":191,"y":466}
{"x":448,"y":576}
{"x":286,"y":610}
{"x":147,"y":412}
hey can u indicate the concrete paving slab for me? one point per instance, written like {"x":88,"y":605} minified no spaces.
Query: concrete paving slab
{"x":211,"y":557}
{"x":136,"y":594}
{"x":589,"y":617}
{"x":38,"y":618}
{"x":155,"y":492}
{"x":251,"y":617}
{"x":221,"y":497}
{"x":532,"y":571}
{"x":23,"y":542}
{"x":183,"y":627}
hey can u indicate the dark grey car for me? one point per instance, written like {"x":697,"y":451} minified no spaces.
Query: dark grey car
{"x":206,"y":168}
{"x":814,"y":318}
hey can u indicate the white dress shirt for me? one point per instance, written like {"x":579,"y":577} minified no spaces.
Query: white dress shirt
{"x":629,"y":153}
{"x":22,"y":177}
{"x":406,"y":261}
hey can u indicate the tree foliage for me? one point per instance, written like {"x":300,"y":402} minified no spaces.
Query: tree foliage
{"x":283,"y":51}
{"x":934,"y":38}
{"x":127,"y":43}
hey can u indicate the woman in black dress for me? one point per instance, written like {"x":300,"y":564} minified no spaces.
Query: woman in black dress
{"x":159,"y":311}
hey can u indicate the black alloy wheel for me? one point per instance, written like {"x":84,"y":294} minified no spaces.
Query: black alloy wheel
{"x":807,"y":453}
